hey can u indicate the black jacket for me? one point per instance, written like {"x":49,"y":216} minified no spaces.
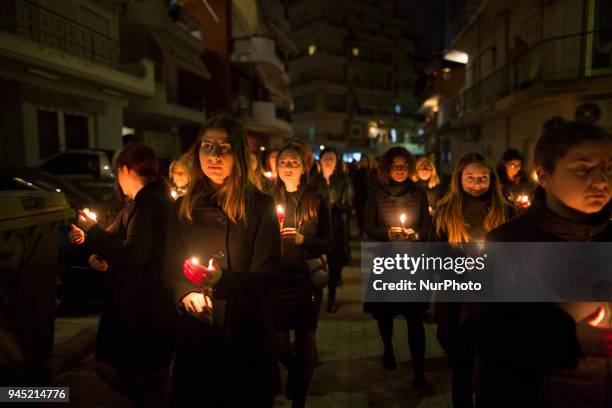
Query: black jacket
{"x":521,"y":342}
{"x":389,"y":201}
{"x":295,"y":280}
{"x":249,"y":256}
{"x":434,"y":195}
{"x":134,"y":246}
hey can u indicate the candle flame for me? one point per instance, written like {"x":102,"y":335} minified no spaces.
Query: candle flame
{"x":195,"y":261}
{"x":279,"y":209}
{"x":211,"y":264}
{"x":597,"y":319}
{"x":268,"y":174}
{"x":403,"y":218}
{"x":90,"y":214}
{"x":174,"y":194}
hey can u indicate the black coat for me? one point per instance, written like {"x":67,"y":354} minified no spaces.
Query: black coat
{"x":434,"y":195}
{"x":137,"y":326}
{"x":383,"y":210}
{"x":295,"y":290}
{"x":519,"y":343}
{"x":388,"y":202}
{"x":236,"y":355}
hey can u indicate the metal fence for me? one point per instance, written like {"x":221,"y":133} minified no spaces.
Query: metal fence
{"x":41,"y":25}
{"x":568,"y":57}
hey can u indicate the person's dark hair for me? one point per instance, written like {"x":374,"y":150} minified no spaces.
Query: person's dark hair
{"x":384,"y":170}
{"x":139,"y":158}
{"x":308,"y":209}
{"x":559,"y":136}
{"x":512,"y":154}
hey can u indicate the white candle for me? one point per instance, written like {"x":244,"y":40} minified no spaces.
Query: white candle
{"x":90,"y":214}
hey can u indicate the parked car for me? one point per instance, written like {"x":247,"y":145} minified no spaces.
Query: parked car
{"x":90,"y":170}
{"x":77,"y":283}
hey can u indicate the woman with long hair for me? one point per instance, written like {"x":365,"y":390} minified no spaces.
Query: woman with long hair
{"x":397,"y":211}
{"x":179,"y":172}
{"x":225,"y":236}
{"x":135,"y":339}
{"x":516,"y":186}
{"x":547,"y":354}
{"x":306,"y":235}
{"x":426,"y":177}
{"x":473,"y":206}
{"x":256,"y":174}
{"x":339,"y":193}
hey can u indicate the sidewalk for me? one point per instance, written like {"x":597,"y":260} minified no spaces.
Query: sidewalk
{"x":351,"y":373}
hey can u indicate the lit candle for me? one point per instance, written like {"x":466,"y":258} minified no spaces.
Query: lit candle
{"x":280,"y":214}
{"x":599,"y":318}
{"x":174,"y":194}
{"x":523,"y":200}
{"x":211,"y":264}
{"x":403,"y":220}
{"x":90,"y":214}
{"x":195,"y":261}
{"x":268,"y":175}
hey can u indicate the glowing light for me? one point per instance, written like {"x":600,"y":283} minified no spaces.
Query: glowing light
{"x":268,"y":174}
{"x":195,"y":261}
{"x":174,"y":194}
{"x":457,"y":56}
{"x":322,"y":147}
{"x":90,"y":214}
{"x":403,"y":219}
{"x":261,"y":148}
{"x":601,"y":313}
{"x":280,"y":214}
{"x":312,"y":49}
{"x":59,"y":190}
{"x":211,"y":264}
{"x":355,"y":52}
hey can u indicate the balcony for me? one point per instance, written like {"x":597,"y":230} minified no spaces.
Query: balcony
{"x":264,"y":117}
{"x":259,"y":50}
{"x":168,"y":106}
{"x":41,"y":38}
{"x":563,"y":64}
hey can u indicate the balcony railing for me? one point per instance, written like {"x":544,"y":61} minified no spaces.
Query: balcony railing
{"x":43,"y":26}
{"x":568,"y":57}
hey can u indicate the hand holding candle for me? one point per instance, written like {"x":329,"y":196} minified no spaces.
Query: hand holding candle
{"x":280,"y":215}
{"x":205,"y":278}
{"x":594,"y":337}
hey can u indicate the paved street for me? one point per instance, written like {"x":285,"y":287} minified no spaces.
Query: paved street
{"x":351,"y":373}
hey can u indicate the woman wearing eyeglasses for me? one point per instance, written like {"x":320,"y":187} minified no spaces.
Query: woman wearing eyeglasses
{"x":394,"y":196}
{"x":306,"y":235}
{"x":230,"y":361}
{"x":473,"y":206}
{"x":516,"y":187}
{"x":427,"y":178}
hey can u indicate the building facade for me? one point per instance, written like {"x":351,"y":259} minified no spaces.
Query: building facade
{"x":66,"y":78}
{"x":353,"y":78}
{"x":526,"y":62}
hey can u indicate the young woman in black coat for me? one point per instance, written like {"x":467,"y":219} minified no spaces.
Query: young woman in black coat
{"x":397,"y":194}
{"x":135,"y":338}
{"x":516,"y":186}
{"x":473,"y":206}
{"x":532,"y":354}
{"x":427,"y":178}
{"x":339,"y":192}
{"x":306,"y":234}
{"x":224,"y":218}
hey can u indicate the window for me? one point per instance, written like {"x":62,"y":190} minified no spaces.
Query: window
{"x":304,"y":104}
{"x":73,"y":163}
{"x":355,"y":131}
{"x":355,"y":52}
{"x":335,"y":103}
{"x":312,"y":49}
{"x":77,"y":131}
{"x":48,"y":133}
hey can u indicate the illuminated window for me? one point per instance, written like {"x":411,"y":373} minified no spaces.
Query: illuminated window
{"x":355,"y":52}
{"x":312,"y":49}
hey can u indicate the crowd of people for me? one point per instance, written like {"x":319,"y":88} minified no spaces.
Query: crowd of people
{"x":209,"y":273}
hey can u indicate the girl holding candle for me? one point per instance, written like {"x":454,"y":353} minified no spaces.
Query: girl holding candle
{"x":306,"y":234}
{"x":394,"y":196}
{"x":516,"y":186}
{"x":427,"y":178}
{"x":135,"y":339}
{"x":230,"y":362}
{"x":339,"y":193}
{"x":473,"y":206}
{"x":546,"y":354}
{"x":179,"y":176}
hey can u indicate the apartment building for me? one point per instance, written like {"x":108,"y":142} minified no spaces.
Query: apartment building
{"x":525,"y":61}
{"x":352,"y":81}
